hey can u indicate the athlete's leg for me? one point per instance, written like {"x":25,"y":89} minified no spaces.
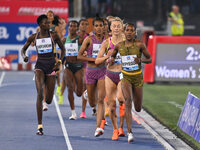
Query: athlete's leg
{"x":79,"y":82}
{"x":138,"y":94}
{"x":84,"y":101}
{"x":128,"y":96}
{"x":63,"y":86}
{"x":49,"y":87}
{"x":91,"y":90}
{"x":70,"y":84}
{"x":100,"y":101}
{"x":70,"y":80}
{"x":111,"y":90}
{"x":39,"y":82}
{"x":58,"y":83}
{"x":121,"y":101}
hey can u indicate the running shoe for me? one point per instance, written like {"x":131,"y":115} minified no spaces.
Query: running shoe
{"x":58,"y":90}
{"x":83,"y":115}
{"x":122,"y":110}
{"x":94,"y":111}
{"x":98,"y":132}
{"x":130,"y":137}
{"x":73,"y":117}
{"x":40,"y":131}
{"x":103,"y":122}
{"x":115,"y":135}
{"x":60,"y":102}
{"x":106,"y":112}
{"x":85,"y":95}
{"x":45,"y":106}
{"x":121,"y":132}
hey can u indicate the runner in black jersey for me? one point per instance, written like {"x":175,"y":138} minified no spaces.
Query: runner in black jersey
{"x":46,"y":66}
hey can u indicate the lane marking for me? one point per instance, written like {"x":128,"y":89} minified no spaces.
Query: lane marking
{"x":154,"y":133}
{"x":2,"y":77}
{"x":69,"y":146}
{"x":175,"y":104}
{"x":34,"y":77}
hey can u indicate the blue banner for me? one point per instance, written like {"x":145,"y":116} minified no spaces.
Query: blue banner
{"x":16,"y":33}
{"x":189,"y":120}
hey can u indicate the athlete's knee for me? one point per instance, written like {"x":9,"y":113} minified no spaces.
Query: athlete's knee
{"x":101,"y":100}
{"x":79,"y":92}
{"x":112,"y":106}
{"x":92,"y":104}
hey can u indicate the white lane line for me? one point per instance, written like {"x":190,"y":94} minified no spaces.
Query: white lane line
{"x":154,"y":133}
{"x":175,"y":104}
{"x":34,"y":77}
{"x":69,"y":146}
{"x":2,"y":77}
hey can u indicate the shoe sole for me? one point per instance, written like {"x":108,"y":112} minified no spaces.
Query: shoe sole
{"x":121,"y":135}
{"x":99,"y":134}
{"x":82,"y":117}
{"x":130,"y":141}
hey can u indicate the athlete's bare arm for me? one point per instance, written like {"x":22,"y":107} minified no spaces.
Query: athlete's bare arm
{"x":114,"y":53}
{"x":25,"y":47}
{"x":86,"y":44}
{"x":57,"y":30}
{"x":60,"y":44}
{"x":145,"y":52}
{"x":100,"y":58}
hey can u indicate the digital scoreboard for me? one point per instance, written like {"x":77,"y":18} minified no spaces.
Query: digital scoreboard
{"x":173,"y":59}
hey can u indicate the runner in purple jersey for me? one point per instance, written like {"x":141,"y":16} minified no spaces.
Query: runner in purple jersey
{"x":95,"y":74}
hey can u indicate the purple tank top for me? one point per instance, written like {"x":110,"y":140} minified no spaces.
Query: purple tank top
{"x":111,"y":45}
{"x":86,"y":35}
{"x":93,"y":50}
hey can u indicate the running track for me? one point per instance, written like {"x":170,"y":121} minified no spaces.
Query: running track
{"x":18,"y":122}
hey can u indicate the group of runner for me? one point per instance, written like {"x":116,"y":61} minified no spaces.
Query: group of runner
{"x":102,"y":66}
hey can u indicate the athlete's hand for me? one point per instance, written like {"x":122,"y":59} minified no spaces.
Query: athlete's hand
{"x":109,"y":52}
{"x":26,"y":59}
{"x":85,"y":53}
{"x":137,"y":60}
{"x":110,"y":61}
{"x":57,"y":66}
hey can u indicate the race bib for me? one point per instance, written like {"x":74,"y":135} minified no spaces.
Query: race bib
{"x":44,"y":45}
{"x":118,"y":59}
{"x":57,"y":49}
{"x":121,"y":76}
{"x":96,"y":49}
{"x":71,"y":49}
{"x":128,"y":63}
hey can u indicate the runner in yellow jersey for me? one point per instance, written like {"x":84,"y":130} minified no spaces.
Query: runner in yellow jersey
{"x":131,"y":51}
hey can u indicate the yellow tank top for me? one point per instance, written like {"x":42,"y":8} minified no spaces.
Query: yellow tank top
{"x":129,"y":66}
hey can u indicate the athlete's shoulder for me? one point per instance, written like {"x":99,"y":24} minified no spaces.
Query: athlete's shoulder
{"x":32,"y":36}
{"x":106,"y":41}
{"x":139,"y":42}
{"x":88,"y":38}
{"x":120,"y":44}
